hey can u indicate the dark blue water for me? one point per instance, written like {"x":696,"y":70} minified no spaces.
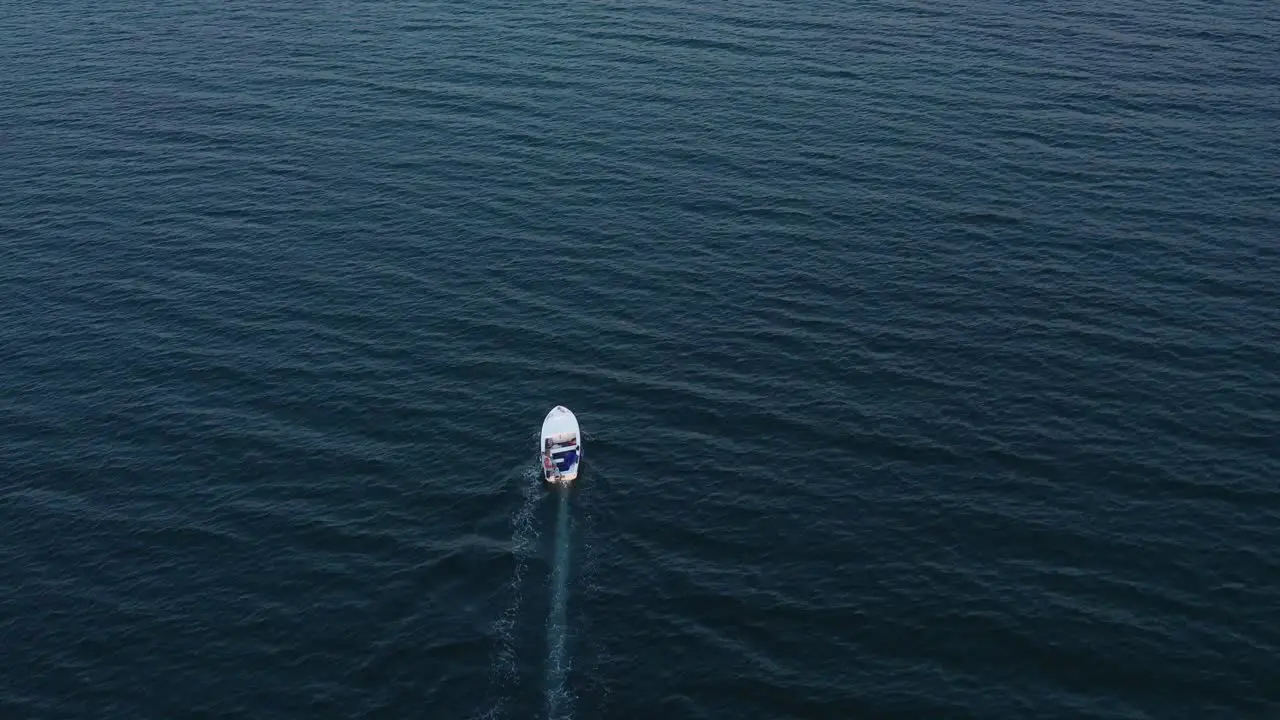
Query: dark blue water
{"x":928,"y":356}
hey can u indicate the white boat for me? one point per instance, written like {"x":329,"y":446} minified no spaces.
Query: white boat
{"x":561,"y":446}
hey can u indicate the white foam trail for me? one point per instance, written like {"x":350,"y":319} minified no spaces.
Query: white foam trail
{"x":559,"y":701}
{"x":524,"y":535}
{"x":590,"y":656}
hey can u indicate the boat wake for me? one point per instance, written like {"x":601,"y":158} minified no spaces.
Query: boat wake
{"x":592,"y":549}
{"x":559,"y":699}
{"x":505,"y":672}
{"x":577,"y":551}
{"x":544,"y":522}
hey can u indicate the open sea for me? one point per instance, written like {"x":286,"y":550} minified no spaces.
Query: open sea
{"x":927,"y":355}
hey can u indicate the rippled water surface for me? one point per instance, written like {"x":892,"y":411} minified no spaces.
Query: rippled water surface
{"x":928,"y":357}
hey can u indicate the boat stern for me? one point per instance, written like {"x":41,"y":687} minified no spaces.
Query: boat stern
{"x":563,"y":478}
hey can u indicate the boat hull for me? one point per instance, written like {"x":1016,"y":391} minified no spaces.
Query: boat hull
{"x":559,"y":425}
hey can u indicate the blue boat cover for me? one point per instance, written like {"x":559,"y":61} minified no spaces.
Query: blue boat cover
{"x":566,"y":460}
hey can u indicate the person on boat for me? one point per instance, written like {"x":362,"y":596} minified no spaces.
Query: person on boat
{"x":567,"y":460}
